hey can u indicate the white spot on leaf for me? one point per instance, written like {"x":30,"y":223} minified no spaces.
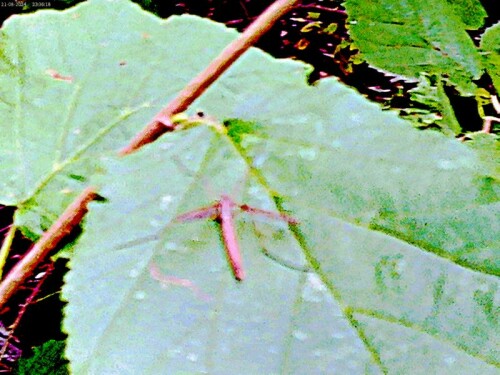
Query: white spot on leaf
{"x":450,"y":360}
{"x":140,"y":295}
{"x":166,"y":146}
{"x":338,"y":335}
{"x":299,"y":335}
{"x":165,"y":202}
{"x":446,"y":165}
{"x":171,"y":246}
{"x":155,"y":223}
{"x":336,"y":143}
{"x":315,"y":282}
{"x":308,"y":153}
{"x":133,"y":273}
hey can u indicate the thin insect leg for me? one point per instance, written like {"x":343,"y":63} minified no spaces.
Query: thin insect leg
{"x":5,"y":228}
{"x":245,"y":10}
{"x":269,"y":214}
{"x":229,"y":237}
{"x":165,"y":280}
{"x":202,"y":213}
{"x":56,"y":75}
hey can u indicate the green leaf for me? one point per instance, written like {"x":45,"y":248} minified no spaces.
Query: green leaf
{"x":47,"y":359}
{"x":55,"y":130}
{"x":490,"y":43}
{"x":430,"y":93}
{"x":488,"y":148}
{"x":471,"y":12}
{"x":391,"y":268}
{"x":409,"y":37}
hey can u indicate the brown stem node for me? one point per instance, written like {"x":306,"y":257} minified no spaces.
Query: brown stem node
{"x":161,"y":124}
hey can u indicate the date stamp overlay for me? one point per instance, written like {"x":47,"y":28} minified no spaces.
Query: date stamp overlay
{"x":22,"y":5}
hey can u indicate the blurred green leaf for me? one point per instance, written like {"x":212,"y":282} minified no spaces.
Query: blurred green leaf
{"x":437,"y":107}
{"x":490,"y":44}
{"x":488,"y":148}
{"x":411,"y":37}
{"x":471,"y":12}
{"x":47,"y":359}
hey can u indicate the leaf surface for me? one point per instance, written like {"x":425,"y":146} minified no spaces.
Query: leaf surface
{"x":408,"y":37}
{"x":75,"y":87}
{"x":391,"y":268}
{"x":471,"y":12}
{"x":437,"y":109}
{"x":490,"y":42}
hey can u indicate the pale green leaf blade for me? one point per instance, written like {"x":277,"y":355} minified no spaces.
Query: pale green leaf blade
{"x":211,"y":323}
{"x":362,"y":285}
{"x":409,"y":37}
{"x":363,"y":147}
{"x":73,"y":87}
{"x":488,"y":148}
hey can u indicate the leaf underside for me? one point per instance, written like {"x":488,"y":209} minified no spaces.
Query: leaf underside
{"x":392,"y":267}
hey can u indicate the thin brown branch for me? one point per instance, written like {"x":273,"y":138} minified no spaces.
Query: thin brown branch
{"x":24,"y":306}
{"x":161,"y":123}
{"x":495,"y":103}
{"x":323,"y":8}
{"x":73,"y":215}
{"x":70,"y":218}
{"x":487,"y":123}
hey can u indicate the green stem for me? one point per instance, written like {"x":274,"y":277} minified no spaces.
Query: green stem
{"x":5,"y":249}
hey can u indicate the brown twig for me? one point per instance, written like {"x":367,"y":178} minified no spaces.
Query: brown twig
{"x":495,"y":103}
{"x":70,"y":218}
{"x":24,"y":306}
{"x":73,"y":215}
{"x":487,"y":121}
{"x":324,"y":9}
{"x":161,"y":123}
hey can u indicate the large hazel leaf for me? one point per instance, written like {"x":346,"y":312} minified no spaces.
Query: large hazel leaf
{"x":392,"y":268}
{"x":408,"y":37}
{"x":75,"y":86}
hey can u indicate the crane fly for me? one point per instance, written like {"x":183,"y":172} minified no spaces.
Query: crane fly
{"x":223,"y":212}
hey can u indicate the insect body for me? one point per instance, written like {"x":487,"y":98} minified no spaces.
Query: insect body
{"x":223,"y":211}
